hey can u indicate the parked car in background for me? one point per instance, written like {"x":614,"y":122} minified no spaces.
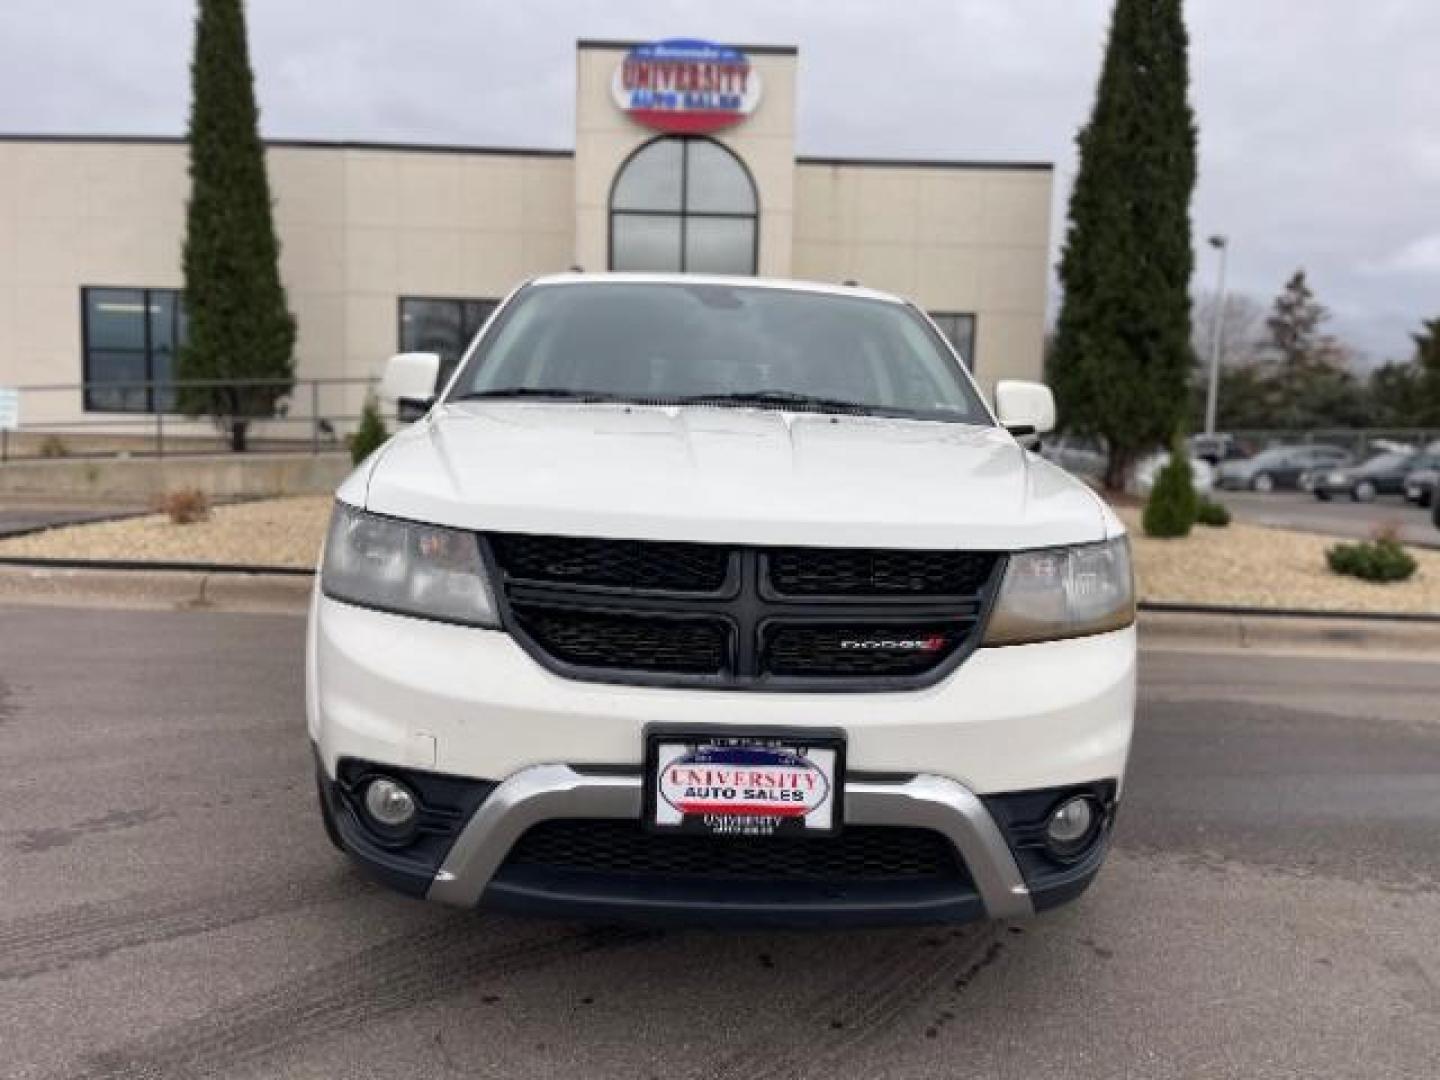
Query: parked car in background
{"x":1280,"y":467}
{"x":1383,"y":474}
{"x":1079,"y":455}
{"x":1421,"y":483}
{"x":1424,"y":476}
{"x":1215,"y":449}
{"x":1147,"y":471}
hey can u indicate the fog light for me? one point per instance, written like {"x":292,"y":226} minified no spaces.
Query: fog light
{"x":1071,"y":825}
{"x":390,"y":804}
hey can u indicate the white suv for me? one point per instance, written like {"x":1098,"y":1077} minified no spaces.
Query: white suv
{"x":713,"y":600}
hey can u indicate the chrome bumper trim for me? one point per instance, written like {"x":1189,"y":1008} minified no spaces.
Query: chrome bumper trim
{"x":543,"y":792}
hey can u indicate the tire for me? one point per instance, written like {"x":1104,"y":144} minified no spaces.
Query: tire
{"x":1363,"y":492}
{"x":327,"y":819}
{"x":1435,"y":508}
{"x":1263,"y":483}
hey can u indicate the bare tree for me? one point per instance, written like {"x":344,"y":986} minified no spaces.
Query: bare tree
{"x":1241,"y":328}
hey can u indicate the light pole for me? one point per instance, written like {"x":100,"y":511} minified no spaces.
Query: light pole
{"x":1221,"y":244}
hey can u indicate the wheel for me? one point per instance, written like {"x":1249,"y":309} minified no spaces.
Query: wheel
{"x":1263,"y":482}
{"x":327,"y":819}
{"x":1364,"y":492}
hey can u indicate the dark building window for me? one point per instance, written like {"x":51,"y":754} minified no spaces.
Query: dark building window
{"x":684,"y":204}
{"x":959,"y":329}
{"x":441,"y":325}
{"x":131,"y":337}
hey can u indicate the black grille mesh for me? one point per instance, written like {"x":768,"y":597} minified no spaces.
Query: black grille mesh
{"x":791,"y":618}
{"x":641,"y":643}
{"x":823,"y":651}
{"x":864,"y":572}
{"x":860,"y":853}
{"x":622,"y":564}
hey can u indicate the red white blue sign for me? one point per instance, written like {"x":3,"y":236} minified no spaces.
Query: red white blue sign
{"x":683,"y":86}
{"x":744,"y":790}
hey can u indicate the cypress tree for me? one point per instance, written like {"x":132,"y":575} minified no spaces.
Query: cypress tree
{"x":1122,"y":354}
{"x":239,"y":326}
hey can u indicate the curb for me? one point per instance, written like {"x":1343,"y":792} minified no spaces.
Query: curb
{"x":286,"y":590}
{"x":1281,"y":631}
{"x":155,"y":589}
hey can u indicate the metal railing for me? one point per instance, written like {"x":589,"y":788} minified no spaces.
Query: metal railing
{"x":88,"y":420}
{"x":1359,"y":441}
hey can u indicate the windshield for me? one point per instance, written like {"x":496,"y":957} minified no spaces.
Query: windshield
{"x":719,"y":344}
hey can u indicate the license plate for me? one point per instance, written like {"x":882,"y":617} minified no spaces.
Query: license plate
{"x":763,"y":784}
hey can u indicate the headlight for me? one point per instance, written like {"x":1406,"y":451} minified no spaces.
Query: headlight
{"x":406,"y":567}
{"x":1064,"y":592}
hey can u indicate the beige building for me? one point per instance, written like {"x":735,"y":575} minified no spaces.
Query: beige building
{"x":683,"y":160}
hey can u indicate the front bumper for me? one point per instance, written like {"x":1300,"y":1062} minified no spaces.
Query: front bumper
{"x":467,"y":702}
{"x":1003,"y":877}
{"x":453,"y":702}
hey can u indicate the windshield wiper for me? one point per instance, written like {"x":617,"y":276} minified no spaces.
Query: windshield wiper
{"x":540,"y":393}
{"x":781,"y":398}
{"x":771,"y":398}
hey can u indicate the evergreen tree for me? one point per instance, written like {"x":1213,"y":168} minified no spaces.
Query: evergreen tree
{"x":1173,"y":505}
{"x":1122,"y":347}
{"x":1394,"y":393}
{"x":239,"y":325}
{"x":1427,"y":365}
{"x":371,"y":434}
{"x":1305,"y":370}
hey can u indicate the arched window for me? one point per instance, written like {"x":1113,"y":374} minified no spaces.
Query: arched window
{"x":683,"y":204}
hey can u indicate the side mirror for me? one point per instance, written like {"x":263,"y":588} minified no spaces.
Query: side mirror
{"x":1025,"y":408}
{"x":409,"y":381}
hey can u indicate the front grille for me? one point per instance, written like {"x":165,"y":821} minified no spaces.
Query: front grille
{"x":850,"y":651}
{"x":640,"y":643}
{"x":613,"y":564}
{"x":742,"y":617}
{"x":859,"y":853}
{"x":861,"y":572}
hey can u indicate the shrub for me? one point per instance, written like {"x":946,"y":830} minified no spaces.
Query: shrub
{"x":1211,"y":513}
{"x":371,"y":433}
{"x":1172,"y":507}
{"x":53,"y":446}
{"x":1381,"y":559}
{"x":185,"y":506}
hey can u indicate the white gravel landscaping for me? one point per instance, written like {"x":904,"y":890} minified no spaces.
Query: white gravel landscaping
{"x":270,"y":532}
{"x":1243,"y":564}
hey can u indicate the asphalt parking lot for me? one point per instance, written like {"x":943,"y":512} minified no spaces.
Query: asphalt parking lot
{"x":1338,"y":517}
{"x":170,"y":908}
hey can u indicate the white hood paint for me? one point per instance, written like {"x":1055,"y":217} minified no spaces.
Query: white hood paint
{"x":748,"y":476}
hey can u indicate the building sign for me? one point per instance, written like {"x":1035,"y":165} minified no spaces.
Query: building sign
{"x":686,"y":87}
{"x":9,"y":408}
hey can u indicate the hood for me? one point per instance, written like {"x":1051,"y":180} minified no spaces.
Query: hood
{"x":723,"y":475}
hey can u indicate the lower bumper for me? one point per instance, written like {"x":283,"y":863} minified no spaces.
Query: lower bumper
{"x":469,"y":872}
{"x":1000,"y":873}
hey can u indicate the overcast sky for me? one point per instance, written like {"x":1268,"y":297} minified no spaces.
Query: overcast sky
{"x":1319,"y":119}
